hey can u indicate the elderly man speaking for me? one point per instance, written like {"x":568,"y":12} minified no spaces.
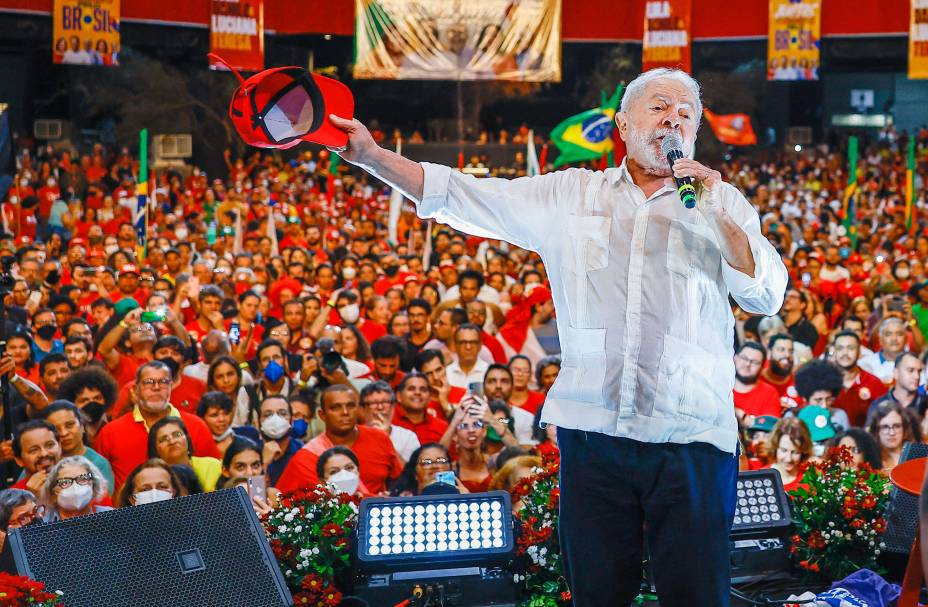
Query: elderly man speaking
{"x":643,"y":403}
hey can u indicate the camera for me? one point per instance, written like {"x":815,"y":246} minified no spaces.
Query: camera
{"x":331,"y":360}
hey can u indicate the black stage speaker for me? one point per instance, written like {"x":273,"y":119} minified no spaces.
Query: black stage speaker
{"x":201,"y":550}
{"x":902,"y":512}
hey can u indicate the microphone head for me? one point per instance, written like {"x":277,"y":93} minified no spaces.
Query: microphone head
{"x":671,"y":141}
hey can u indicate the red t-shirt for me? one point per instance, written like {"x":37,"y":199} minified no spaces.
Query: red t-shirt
{"x":196,"y":331}
{"x":256,"y":338}
{"x":762,"y":399}
{"x":454,"y":397}
{"x":535,"y":400}
{"x":856,"y":400}
{"x":126,"y":366}
{"x":786,"y":389}
{"x":430,"y":430}
{"x":185,"y":397}
{"x":378,"y":458}
{"x":124,"y":442}
{"x":371,"y":330}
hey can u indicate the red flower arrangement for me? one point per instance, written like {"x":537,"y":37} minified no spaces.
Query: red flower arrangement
{"x":538,"y":548}
{"x":838,"y":514}
{"x":20,"y":591}
{"x":308,"y":533}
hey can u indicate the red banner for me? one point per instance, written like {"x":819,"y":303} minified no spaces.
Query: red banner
{"x":667,"y":34}
{"x":733,"y":129}
{"x":237,"y":34}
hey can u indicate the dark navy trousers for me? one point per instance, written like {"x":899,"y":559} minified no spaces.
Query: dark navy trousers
{"x":615,"y":491}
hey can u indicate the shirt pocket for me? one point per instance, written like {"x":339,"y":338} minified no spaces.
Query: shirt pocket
{"x":691,"y":382}
{"x":587,"y":251}
{"x":583,"y":370}
{"x":691,"y":250}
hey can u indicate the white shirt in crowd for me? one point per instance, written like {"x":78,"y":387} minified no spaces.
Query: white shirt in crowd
{"x":877,"y":364}
{"x":459,"y":379}
{"x":404,"y":441}
{"x":641,"y":292}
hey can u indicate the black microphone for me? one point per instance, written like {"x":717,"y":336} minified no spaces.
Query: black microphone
{"x":672,"y":148}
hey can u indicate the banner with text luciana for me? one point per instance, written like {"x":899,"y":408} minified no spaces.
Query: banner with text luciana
{"x":666,"y":41}
{"x":86,"y":32}
{"x":236,"y":33}
{"x":918,"y":40}
{"x":794,"y":39}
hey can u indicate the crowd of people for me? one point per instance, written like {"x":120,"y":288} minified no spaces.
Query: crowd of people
{"x":270,"y":334}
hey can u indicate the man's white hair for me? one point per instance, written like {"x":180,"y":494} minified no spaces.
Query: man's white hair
{"x":637,"y":87}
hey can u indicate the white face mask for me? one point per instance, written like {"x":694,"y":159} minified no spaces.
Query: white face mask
{"x":902,"y":273}
{"x":259,"y":289}
{"x":345,"y":481}
{"x":111,"y":248}
{"x":349,"y":273}
{"x":350,"y":313}
{"x":24,"y":183}
{"x":181,"y":233}
{"x":275,"y":427}
{"x":76,"y":497}
{"x":151,"y":496}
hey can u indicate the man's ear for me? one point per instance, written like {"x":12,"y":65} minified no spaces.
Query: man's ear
{"x":621,"y":123}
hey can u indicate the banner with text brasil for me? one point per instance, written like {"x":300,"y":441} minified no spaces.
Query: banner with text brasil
{"x":86,"y":32}
{"x":794,"y":38}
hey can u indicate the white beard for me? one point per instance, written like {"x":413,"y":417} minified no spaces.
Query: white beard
{"x":644,"y":148}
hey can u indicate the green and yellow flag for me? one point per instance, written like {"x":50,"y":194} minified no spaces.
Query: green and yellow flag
{"x":850,"y":193}
{"x":588,"y":135}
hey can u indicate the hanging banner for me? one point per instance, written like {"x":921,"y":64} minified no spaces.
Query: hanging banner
{"x":918,"y":40}
{"x":86,"y":32}
{"x":666,"y":41}
{"x":794,"y":39}
{"x":236,"y":33}
{"x":439,"y":40}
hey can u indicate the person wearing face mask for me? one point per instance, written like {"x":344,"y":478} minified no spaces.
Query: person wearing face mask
{"x":124,"y":440}
{"x":216,"y":409}
{"x":274,"y":367}
{"x":339,"y":411}
{"x":152,"y":481}
{"x":339,"y":468}
{"x":74,"y":488}
{"x":274,"y":418}
{"x":44,"y":328}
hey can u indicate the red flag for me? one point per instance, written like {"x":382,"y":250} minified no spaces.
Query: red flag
{"x":603,"y":162}
{"x":543,"y":159}
{"x":460,"y":161}
{"x":733,"y":129}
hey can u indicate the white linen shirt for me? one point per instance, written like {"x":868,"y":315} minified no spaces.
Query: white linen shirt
{"x":641,"y":293}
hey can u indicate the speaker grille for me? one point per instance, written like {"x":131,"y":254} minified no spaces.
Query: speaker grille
{"x":902,"y":512}
{"x":136,"y":556}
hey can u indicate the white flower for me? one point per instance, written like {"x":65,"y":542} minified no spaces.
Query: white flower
{"x":315,"y":550}
{"x":282,"y":529}
{"x":298,"y":528}
{"x":877,"y":551}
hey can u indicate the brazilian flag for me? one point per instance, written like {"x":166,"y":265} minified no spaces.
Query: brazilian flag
{"x":851,"y":193}
{"x":588,"y":135}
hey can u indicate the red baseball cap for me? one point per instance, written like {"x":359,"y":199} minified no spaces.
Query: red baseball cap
{"x":282,"y":106}
{"x":128,"y":269}
{"x":77,"y":242}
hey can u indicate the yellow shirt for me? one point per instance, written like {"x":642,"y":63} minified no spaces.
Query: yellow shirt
{"x":208,"y":471}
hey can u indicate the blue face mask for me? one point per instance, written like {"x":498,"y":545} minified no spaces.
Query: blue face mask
{"x":299,"y":428}
{"x":273,"y":371}
{"x":844,"y":252}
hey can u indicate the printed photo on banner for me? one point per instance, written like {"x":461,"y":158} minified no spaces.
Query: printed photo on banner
{"x":438,"y":40}
{"x":86,"y":32}
{"x":666,"y":40}
{"x":794,"y":39}
{"x":236,"y":31}
{"x":918,"y":40}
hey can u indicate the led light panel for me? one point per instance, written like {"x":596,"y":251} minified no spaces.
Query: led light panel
{"x":761,"y":503}
{"x":435,"y":528}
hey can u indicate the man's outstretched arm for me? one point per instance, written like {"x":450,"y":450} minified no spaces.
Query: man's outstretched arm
{"x":402,"y":173}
